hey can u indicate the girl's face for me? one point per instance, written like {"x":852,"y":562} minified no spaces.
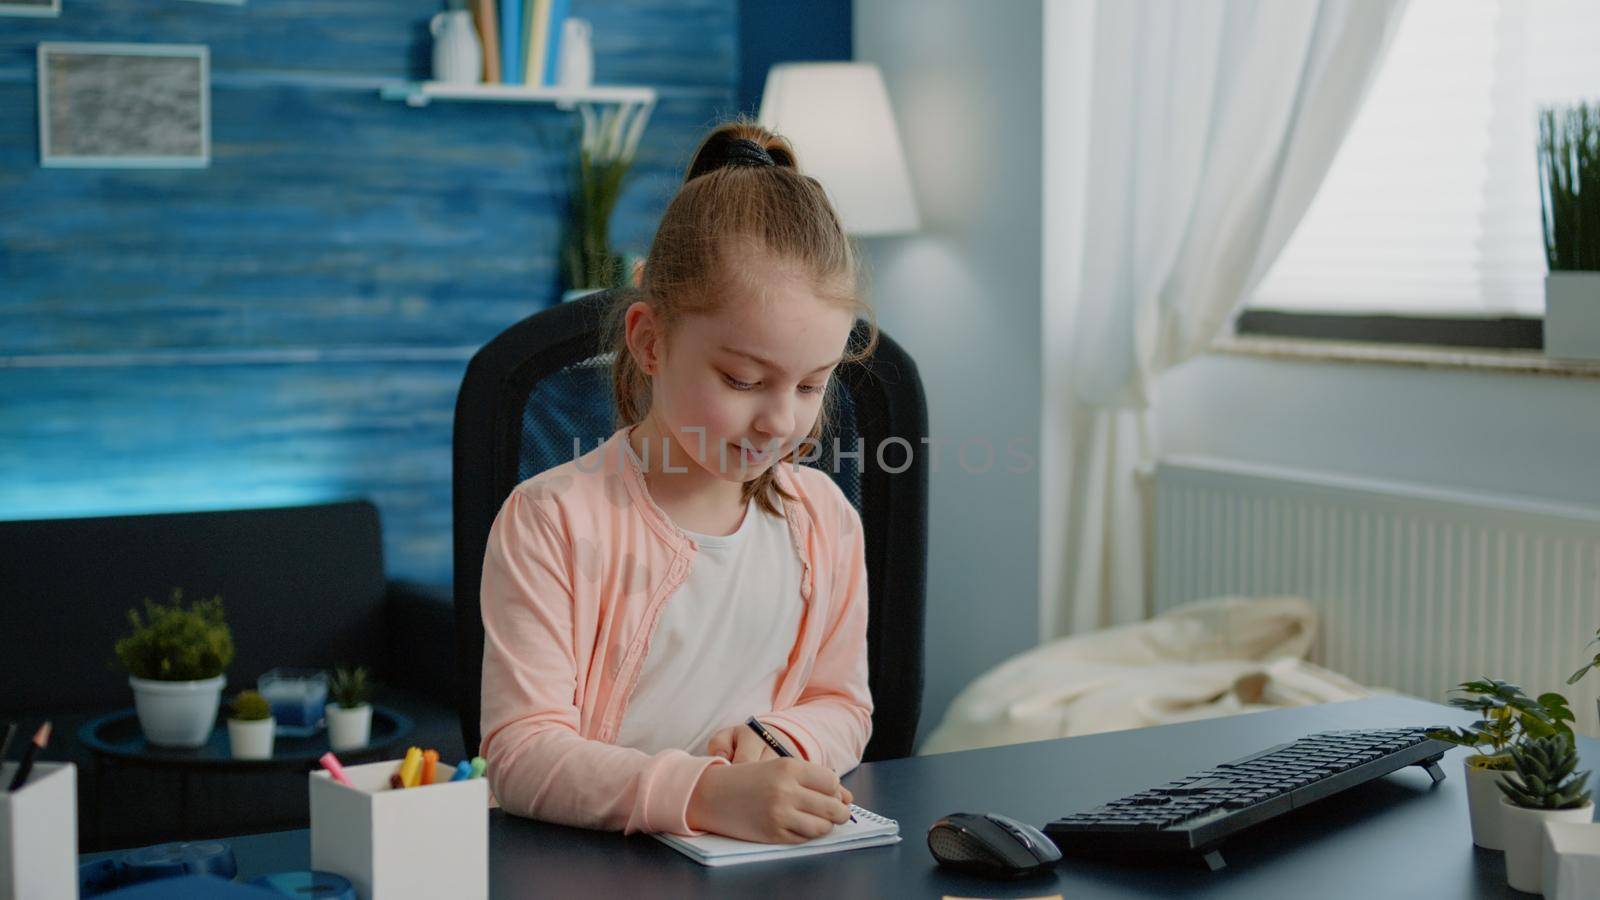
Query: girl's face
{"x":756,"y":373}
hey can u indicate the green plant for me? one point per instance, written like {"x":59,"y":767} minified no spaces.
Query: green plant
{"x":1591,"y":664}
{"x":350,"y":688}
{"x":173,"y":643}
{"x":1569,"y":187}
{"x":1507,"y":717}
{"x":250,"y":706}
{"x":1544,"y":777}
{"x":606,"y":148}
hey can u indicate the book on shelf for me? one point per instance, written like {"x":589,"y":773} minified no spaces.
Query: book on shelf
{"x":511,"y":27}
{"x":552,"y":58}
{"x":535,"y":30}
{"x":487,"y":16}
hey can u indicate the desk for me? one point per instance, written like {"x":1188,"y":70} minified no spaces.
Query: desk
{"x":1391,"y":838}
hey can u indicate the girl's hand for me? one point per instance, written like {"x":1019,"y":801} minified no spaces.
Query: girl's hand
{"x":740,"y":744}
{"x":777,"y":801}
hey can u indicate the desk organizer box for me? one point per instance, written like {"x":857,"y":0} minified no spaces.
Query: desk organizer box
{"x":1571,"y":860}
{"x":39,"y":833}
{"x":419,"y":843}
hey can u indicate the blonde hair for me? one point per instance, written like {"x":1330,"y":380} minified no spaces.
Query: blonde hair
{"x":732,"y":203}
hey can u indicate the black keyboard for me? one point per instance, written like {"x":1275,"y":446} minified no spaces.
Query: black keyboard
{"x":1194,"y":815}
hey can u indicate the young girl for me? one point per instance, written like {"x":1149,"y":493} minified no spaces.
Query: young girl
{"x":642,"y":601}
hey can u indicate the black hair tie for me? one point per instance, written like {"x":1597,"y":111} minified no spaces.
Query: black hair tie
{"x":745,"y":152}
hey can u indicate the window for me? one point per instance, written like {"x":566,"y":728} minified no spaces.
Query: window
{"x":1426,"y":229}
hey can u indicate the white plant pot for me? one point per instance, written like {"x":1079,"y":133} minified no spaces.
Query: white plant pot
{"x":1483,"y":806}
{"x":349,"y":728}
{"x":1523,"y":832}
{"x":177,"y":713}
{"x":251,"y":738}
{"x":1572,"y":315}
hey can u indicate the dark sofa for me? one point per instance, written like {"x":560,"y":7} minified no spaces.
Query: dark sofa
{"x":302,"y":586}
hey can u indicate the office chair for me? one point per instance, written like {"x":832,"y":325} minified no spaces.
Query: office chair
{"x":545,"y":381}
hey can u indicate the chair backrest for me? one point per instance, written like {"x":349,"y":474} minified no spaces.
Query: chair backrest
{"x":546,"y":381}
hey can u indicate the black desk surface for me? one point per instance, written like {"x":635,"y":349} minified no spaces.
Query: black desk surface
{"x":1396,"y":837}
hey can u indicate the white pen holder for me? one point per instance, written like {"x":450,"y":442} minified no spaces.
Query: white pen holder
{"x":39,"y":833}
{"x":422,"y":842}
{"x":1571,"y":860}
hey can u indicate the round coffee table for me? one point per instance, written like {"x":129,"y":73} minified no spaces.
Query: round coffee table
{"x":117,"y":743}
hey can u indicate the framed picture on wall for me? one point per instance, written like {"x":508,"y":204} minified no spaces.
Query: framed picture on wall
{"x":130,"y":106}
{"x":30,"y":7}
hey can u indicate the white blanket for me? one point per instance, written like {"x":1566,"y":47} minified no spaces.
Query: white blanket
{"x":1208,"y":658}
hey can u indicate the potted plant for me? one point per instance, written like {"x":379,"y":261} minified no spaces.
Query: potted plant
{"x":350,"y":713}
{"x":606,"y":148}
{"x":250,"y":726}
{"x":1505,"y":717}
{"x":1543,"y":788}
{"x":175,"y":657}
{"x":1569,"y":205}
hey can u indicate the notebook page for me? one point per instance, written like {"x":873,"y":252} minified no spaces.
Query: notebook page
{"x":868,"y":824}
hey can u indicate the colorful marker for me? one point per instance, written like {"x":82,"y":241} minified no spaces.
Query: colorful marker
{"x":430,"y":762}
{"x":479,"y":764}
{"x":411,"y":768}
{"x":335,"y":771}
{"x":463,"y":771}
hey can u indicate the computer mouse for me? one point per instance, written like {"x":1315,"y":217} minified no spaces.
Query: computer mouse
{"x":991,"y":845}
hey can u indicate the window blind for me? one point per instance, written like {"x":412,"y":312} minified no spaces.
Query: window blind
{"x":1431,"y":206}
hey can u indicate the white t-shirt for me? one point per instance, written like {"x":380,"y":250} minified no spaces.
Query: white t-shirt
{"x":722,"y":640}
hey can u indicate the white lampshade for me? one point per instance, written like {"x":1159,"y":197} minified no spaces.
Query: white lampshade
{"x":837,"y":117}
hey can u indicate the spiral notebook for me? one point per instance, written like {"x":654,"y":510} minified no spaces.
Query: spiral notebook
{"x":869,"y":830}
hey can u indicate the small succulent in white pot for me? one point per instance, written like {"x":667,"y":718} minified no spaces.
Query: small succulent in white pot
{"x":1543,"y":788}
{"x":350,"y":713}
{"x":250,"y":726}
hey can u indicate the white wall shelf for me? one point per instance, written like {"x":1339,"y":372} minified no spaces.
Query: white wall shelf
{"x":421,"y":93}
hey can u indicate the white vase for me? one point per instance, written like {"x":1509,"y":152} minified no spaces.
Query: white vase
{"x":251,"y":738}
{"x":1483,"y":805}
{"x":177,"y":713}
{"x":1523,"y":833}
{"x":575,"y":60}
{"x":457,"y":56}
{"x":349,"y":728}
{"x":1572,"y":315}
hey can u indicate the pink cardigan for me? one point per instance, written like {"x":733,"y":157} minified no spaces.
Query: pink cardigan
{"x":579,"y":563}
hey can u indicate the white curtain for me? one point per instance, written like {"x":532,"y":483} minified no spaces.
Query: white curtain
{"x":1192,"y":135}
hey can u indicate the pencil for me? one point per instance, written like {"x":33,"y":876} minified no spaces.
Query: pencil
{"x":40,"y":738}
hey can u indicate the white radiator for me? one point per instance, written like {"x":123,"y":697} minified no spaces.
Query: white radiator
{"x":1418,"y":588}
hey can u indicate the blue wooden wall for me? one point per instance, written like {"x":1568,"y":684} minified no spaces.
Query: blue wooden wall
{"x":291,"y":324}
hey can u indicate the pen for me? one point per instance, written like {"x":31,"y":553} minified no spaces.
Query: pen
{"x":40,"y":738}
{"x":335,"y":771}
{"x":5,"y":742}
{"x":778,"y":748}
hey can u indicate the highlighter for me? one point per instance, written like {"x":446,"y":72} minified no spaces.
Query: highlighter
{"x":411,"y":769}
{"x":430,"y":762}
{"x":479,"y":764}
{"x":463,"y":771}
{"x":335,"y":771}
